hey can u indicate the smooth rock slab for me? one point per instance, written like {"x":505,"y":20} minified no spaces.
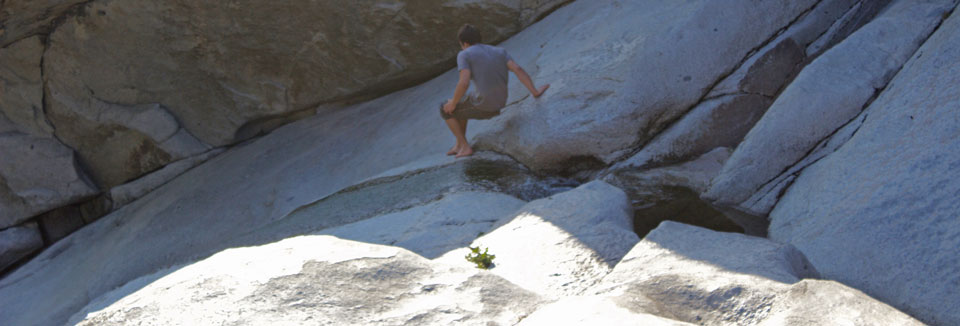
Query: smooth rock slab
{"x":563,"y":244}
{"x":435,"y":228}
{"x":314,"y":280}
{"x":826,"y":95}
{"x":705,"y":277}
{"x":237,"y":193}
{"x":593,"y":310}
{"x":621,"y":72}
{"x":859,"y":14}
{"x":720,"y":122}
{"x":888,"y":196}
{"x":126,"y":193}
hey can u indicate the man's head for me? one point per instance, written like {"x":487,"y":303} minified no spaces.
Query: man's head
{"x":468,"y":35}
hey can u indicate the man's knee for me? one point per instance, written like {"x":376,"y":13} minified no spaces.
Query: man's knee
{"x":444,"y":114}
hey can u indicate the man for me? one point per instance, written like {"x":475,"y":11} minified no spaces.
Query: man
{"x":487,"y":67}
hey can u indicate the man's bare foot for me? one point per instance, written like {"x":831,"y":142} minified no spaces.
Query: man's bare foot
{"x":454,"y":150}
{"x":466,"y":151}
{"x":541,"y":90}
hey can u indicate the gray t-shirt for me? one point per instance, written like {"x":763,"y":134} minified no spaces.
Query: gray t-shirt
{"x":488,"y":70}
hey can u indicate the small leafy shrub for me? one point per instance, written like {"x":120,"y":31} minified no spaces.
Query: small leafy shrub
{"x":483,"y":260}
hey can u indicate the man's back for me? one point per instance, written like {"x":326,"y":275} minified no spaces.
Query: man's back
{"x":488,"y":70}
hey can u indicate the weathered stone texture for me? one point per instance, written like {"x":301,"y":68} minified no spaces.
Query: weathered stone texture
{"x":315,"y":280}
{"x":621,"y":72}
{"x":218,"y":67}
{"x":826,"y":95}
{"x":720,"y":122}
{"x":563,"y":244}
{"x":22,"y":18}
{"x":888,"y":196}
{"x":37,"y":172}
{"x":680,"y":272}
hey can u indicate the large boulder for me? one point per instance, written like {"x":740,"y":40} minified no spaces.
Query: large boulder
{"x":37,"y":172}
{"x":621,"y":72}
{"x":719,"y":122}
{"x":888,"y":196}
{"x":315,"y":280}
{"x":563,"y":244}
{"x":735,"y":104}
{"x":858,"y":14}
{"x":680,"y":272}
{"x":209,"y":74}
{"x":825,"y":96}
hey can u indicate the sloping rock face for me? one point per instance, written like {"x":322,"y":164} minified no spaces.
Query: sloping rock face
{"x":319,"y":280}
{"x":888,"y":195}
{"x":218,"y":68}
{"x":735,"y":104}
{"x":436,"y":228}
{"x":635,"y":68}
{"x":679,"y":272}
{"x":98,"y":94}
{"x":380,"y":164}
{"x":563,"y":244}
{"x":676,"y":276}
{"x":825,"y":96}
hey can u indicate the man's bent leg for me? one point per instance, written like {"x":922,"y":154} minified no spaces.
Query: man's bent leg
{"x":454,"y":125}
{"x":464,"y":149}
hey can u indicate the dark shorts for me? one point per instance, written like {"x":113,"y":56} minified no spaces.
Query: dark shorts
{"x":466,"y":110}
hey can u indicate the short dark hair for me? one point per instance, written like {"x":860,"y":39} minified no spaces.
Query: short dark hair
{"x":469,"y":34}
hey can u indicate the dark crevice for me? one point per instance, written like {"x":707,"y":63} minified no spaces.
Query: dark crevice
{"x":740,"y":93}
{"x":19,"y":263}
{"x":679,"y":204}
{"x":579,"y":167}
{"x":827,"y":30}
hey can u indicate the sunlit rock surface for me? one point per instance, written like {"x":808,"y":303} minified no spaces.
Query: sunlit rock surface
{"x":888,"y":195}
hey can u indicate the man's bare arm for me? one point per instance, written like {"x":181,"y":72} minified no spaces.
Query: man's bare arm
{"x":462,"y":85}
{"x":525,"y":79}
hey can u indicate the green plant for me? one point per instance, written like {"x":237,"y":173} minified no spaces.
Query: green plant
{"x":483,"y":260}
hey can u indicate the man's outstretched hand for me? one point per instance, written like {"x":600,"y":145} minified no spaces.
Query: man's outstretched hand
{"x":541,"y":90}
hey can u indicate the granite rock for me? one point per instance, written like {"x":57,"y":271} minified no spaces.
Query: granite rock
{"x":826,"y":95}
{"x":888,"y":194}
{"x":18,"y":242}
{"x":621,"y":72}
